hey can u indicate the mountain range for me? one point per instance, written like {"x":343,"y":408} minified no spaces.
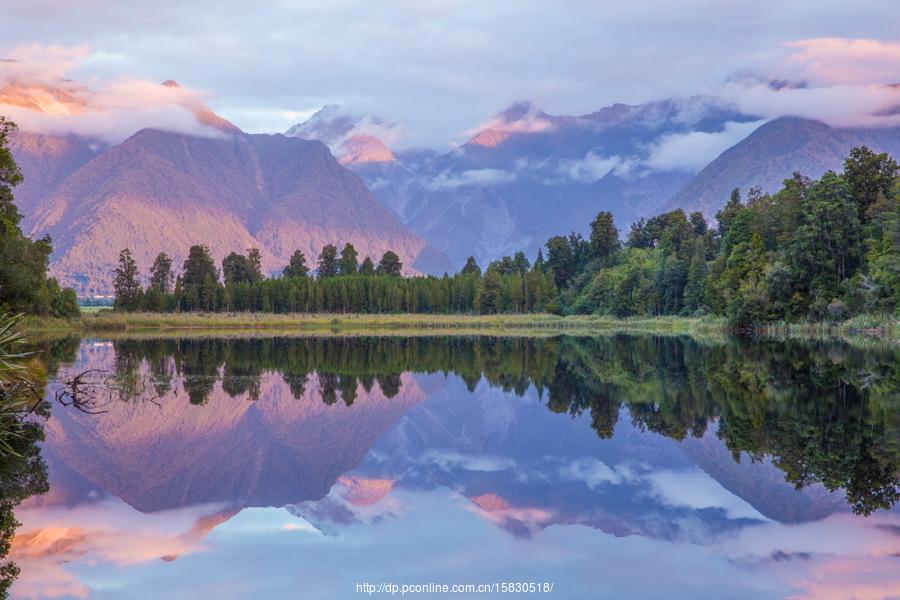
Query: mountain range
{"x":161,"y":190}
{"x":521,"y":177}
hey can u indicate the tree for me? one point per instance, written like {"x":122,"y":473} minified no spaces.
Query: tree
{"x":471,"y":267}
{"x":826,"y":248}
{"x":328,"y":262}
{"x":237,"y":268}
{"x":869,"y":177}
{"x":161,"y":276}
{"x":199,"y":278}
{"x":695,"y":288}
{"x":698,"y":223}
{"x":724,"y":216}
{"x":489,"y":293}
{"x":604,"y":238}
{"x":126,"y":285}
{"x":24,"y":285}
{"x":520,"y":263}
{"x":296,"y":267}
{"x":347,"y":264}
{"x":561,"y":259}
{"x":10,"y":176}
{"x":255,"y":260}
{"x":389,"y":264}
{"x":367,"y":267}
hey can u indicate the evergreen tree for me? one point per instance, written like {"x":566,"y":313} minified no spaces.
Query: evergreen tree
{"x":520,"y":263}
{"x":539,"y":261}
{"x":604,"y":238}
{"x":255,"y":260}
{"x":198,"y":271}
{"x":390,"y":264}
{"x":347,"y":264}
{"x":328,"y":266}
{"x":367,"y":267}
{"x":297,"y":267}
{"x":471,"y":267}
{"x":237,"y":268}
{"x":126,"y":285}
{"x":561,"y":260}
{"x":489,"y":293}
{"x":695,"y":288}
{"x":161,"y":276}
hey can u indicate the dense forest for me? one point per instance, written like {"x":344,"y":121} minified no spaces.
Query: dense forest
{"x":823,"y":249}
{"x":24,"y":285}
{"x":341,"y":285}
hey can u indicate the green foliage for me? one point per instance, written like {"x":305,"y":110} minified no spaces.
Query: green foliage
{"x":822,"y":250}
{"x":328,"y":265}
{"x":347,"y":264}
{"x":237,"y":268}
{"x":22,"y":471}
{"x":126,"y":283}
{"x":389,"y":265}
{"x":24,"y":285}
{"x":297,"y":266}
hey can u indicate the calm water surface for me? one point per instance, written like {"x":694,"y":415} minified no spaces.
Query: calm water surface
{"x":611,"y":467}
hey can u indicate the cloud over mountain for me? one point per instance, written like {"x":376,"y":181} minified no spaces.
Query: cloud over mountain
{"x":36,"y":94}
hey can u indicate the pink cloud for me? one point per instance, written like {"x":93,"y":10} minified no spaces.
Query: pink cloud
{"x":35,"y":93}
{"x":843,"y":61}
{"x":841,"y":81}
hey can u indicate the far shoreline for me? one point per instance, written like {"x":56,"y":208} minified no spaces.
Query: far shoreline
{"x":864,"y":327}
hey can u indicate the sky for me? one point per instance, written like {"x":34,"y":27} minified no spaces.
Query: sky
{"x":441,"y":67}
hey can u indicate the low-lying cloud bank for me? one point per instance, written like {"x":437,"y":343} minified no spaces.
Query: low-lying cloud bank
{"x":36,"y":93}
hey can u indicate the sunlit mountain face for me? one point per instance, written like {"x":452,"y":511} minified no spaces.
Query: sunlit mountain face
{"x":180,"y":466}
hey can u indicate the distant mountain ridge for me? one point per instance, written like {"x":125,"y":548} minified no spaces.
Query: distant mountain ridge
{"x":770,"y":154}
{"x":526,"y":175}
{"x":522,"y":177}
{"x":164,"y":191}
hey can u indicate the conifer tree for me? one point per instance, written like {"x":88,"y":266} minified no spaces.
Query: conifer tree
{"x":126,"y":285}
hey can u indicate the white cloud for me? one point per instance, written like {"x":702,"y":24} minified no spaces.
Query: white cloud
{"x":697,"y":490}
{"x":594,"y":472}
{"x":590,"y":168}
{"x":694,"y":150}
{"x":476,"y":177}
{"x":467,"y":462}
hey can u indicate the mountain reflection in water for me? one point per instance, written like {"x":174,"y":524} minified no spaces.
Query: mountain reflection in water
{"x":771,"y":465}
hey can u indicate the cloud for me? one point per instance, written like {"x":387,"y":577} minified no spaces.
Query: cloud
{"x":467,"y":462}
{"x":333,"y":126}
{"x":693,"y":150}
{"x":844,"y":61}
{"x":697,"y":490}
{"x":35,"y":93}
{"x":521,"y":117}
{"x":590,"y":168}
{"x":594,"y":472}
{"x":475,"y":177}
{"x":844,"y":82}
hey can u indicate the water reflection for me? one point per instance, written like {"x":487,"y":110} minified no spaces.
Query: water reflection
{"x":751,"y":455}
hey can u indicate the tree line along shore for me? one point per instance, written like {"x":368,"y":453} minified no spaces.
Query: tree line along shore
{"x":823,"y":251}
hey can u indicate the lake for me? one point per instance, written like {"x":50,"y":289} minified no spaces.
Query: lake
{"x":564,"y":467}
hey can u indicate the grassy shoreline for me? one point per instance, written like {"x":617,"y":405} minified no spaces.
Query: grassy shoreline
{"x":106,"y":321}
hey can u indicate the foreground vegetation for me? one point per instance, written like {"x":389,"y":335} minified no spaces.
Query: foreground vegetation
{"x":24,"y":285}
